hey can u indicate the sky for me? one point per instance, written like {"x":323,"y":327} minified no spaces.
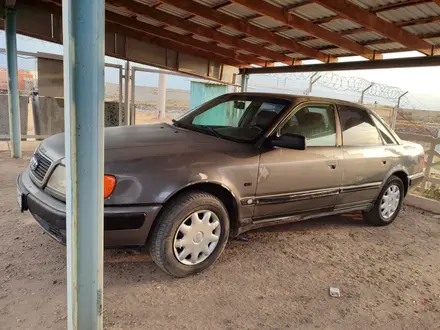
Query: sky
{"x":423,"y":84}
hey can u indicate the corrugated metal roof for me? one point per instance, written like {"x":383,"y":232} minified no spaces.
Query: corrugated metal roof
{"x":204,"y":39}
{"x":277,"y":48}
{"x":296,"y":55}
{"x":176,"y":30}
{"x":284,"y":3}
{"x":340,"y":25}
{"x":434,"y":41}
{"x":210,"y":3}
{"x":173,"y":10}
{"x":148,"y":2}
{"x":118,"y":10}
{"x":364,"y":37}
{"x":149,"y":21}
{"x":385,"y":47}
{"x":244,"y":52}
{"x":255,"y":41}
{"x":293,"y":33}
{"x":224,"y":45}
{"x":316,"y":43}
{"x":423,"y":29}
{"x":266,"y":22}
{"x":410,"y":13}
{"x":203,"y":21}
{"x":237,"y":11}
{"x":229,"y":31}
{"x":374,"y":3}
{"x":337,"y":52}
{"x":312,"y":12}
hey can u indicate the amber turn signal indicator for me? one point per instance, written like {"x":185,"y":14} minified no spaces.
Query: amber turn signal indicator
{"x":109,"y":185}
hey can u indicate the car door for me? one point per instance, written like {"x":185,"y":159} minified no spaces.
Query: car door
{"x":296,"y":181}
{"x":366,"y":161}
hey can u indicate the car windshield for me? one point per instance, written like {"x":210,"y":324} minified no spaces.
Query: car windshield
{"x":240,"y":118}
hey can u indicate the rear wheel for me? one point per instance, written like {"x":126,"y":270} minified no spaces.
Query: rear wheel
{"x":191,"y":234}
{"x":388,"y":204}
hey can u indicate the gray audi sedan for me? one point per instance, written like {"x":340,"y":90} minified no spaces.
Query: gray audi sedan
{"x":238,"y":162}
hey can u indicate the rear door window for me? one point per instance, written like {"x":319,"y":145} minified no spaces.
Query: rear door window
{"x":358,"y":128}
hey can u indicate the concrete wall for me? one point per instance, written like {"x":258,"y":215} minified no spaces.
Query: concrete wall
{"x":4,"y":114}
{"x":50,"y":77}
{"x":50,"y":115}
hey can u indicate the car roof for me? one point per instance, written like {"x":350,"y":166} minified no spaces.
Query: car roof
{"x":296,"y":99}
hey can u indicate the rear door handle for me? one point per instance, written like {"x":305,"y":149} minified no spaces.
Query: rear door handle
{"x":384,"y":162}
{"x":331,"y":165}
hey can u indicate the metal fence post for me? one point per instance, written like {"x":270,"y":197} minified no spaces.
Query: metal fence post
{"x":244,"y":82}
{"x":312,"y":81}
{"x":393,"y":123}
{"x":162,"y":103}
{"x":133,"y":97}
{"x":13,"y":102}
{"x":363,"y":93}
{"x":83,"y":31}
{"x":127,"y":94}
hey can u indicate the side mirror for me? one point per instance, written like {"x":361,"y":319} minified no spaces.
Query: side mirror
{"x":291,"y":141}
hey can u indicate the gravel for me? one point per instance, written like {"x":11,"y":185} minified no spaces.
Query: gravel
{"x":278,"y":279}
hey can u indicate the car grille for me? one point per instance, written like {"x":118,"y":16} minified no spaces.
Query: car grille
{"x":43,"y":166}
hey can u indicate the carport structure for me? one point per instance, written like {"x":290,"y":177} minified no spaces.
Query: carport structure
{"x":213,"y":39}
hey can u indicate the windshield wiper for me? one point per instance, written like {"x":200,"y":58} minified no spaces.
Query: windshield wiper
{"x":213,"y":130}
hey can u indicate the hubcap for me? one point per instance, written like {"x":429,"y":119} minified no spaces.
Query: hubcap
{"x":197,"y":237}
{"x":390,"y":201}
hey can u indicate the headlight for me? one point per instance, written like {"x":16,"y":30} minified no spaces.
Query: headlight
{"x":57,"y":181}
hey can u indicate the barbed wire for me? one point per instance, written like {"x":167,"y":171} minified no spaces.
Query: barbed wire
{"x":348,"y":84}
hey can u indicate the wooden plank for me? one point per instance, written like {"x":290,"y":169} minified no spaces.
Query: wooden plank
{"x":142,"y":10}
{"x":297,"y":22}
{"x":249,"y":29}
{"x":188,"y":40}
{"x":375,"y":23}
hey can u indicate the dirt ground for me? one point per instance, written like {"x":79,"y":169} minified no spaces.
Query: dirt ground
{"x":278,"y":279}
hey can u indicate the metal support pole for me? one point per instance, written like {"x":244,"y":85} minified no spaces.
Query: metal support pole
{"x":120,"y":96}
{"x":13,"y":102}
{"x":396,"y":110}
{"x":127,"y":93}
{"x":83,"y":30}
{"x":244,"y":82}
{"x":363,"y":93}
{"x":311,"y":82}
{"x":133,"y":97}
{"x":162,"y":103}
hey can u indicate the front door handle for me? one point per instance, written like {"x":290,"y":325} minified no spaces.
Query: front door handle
{"x":331,"y":165}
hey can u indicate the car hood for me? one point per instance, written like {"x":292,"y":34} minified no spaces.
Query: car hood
{"x":131,"y":142}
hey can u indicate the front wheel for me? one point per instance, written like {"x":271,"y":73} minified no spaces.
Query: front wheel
{"x":191,"y":233}
{"x":388,"y":204}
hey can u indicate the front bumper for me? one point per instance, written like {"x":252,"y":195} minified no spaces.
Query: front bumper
{"x":123,"y":225}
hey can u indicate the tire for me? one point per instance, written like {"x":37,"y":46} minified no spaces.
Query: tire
{"x":176,"y":217}
{"x":377,"y":216}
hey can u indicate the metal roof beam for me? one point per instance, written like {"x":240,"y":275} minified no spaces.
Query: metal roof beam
{"x":297,"y":22}
{"x":142,"y":10}
{"x":188,"y":40}
{"x":409,"y":62}
{"x":376,"y":24}
{"x":248,"y":29}
{"x":169,"y":44}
